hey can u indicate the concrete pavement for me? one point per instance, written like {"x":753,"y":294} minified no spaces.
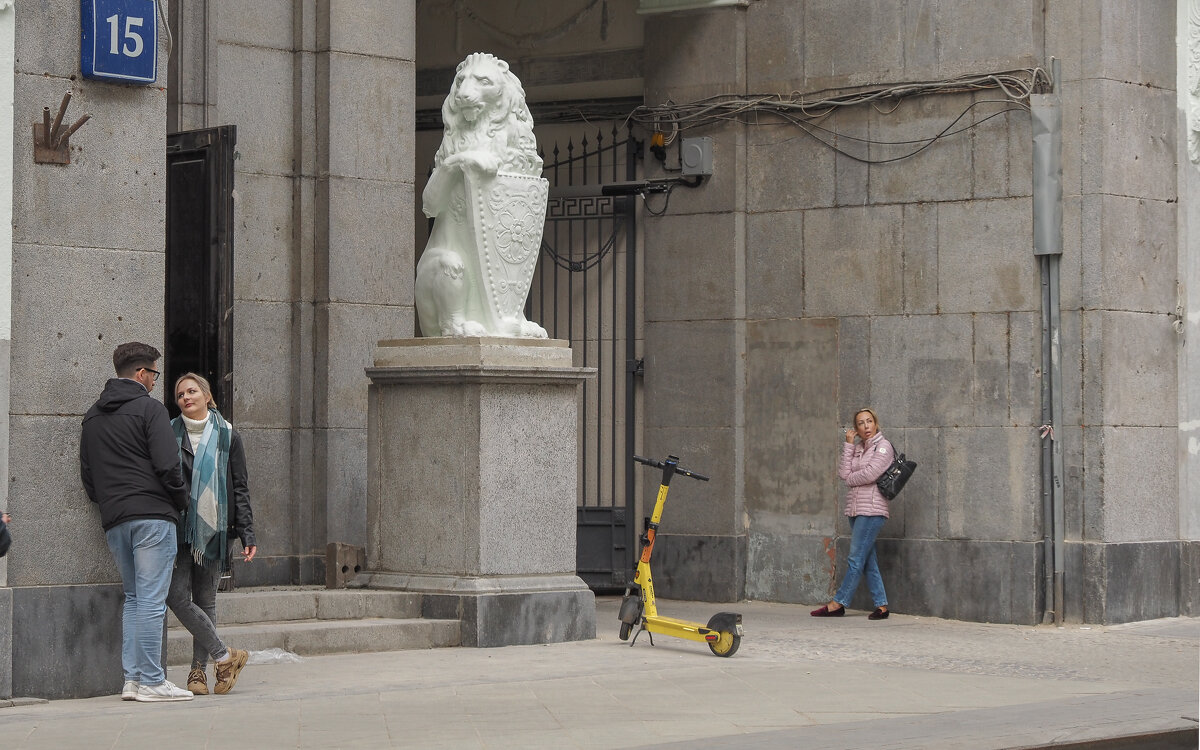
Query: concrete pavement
{"x":797,"y":681}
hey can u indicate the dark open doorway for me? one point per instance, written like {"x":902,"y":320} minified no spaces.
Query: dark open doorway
{"x":199,"y":297}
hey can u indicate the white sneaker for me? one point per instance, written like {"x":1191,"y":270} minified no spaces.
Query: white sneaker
{"x":164,"y":691}
{"x":129,"y":692}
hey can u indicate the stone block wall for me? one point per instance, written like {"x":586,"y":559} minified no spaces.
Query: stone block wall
{"x":797,"y":284}
{"x":322,"y":94}
{"x":87,"y":275}
{"x":805,"y":283}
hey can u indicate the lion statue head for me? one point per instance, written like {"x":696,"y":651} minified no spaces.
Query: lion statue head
{"x":486,"y":110}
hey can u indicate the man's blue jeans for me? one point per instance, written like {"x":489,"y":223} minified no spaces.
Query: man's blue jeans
{"x":145,"y":553}
{"x":863,"y":530}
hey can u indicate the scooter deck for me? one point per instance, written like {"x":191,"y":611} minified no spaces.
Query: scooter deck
{"x":692,"y":631}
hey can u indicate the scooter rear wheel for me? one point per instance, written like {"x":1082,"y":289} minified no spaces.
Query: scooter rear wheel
{"x":727,"y":644}
{"x":625,"y":628}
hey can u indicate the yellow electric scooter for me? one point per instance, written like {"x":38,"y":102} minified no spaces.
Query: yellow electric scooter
{"x":723,"y":633}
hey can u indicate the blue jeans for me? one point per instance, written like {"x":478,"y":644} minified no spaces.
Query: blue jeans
{"x":863,"y":530}
{"x":145,"y":553}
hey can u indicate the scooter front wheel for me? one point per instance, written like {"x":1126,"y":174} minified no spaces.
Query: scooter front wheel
{"x":727,"y":644}
{"x":625,"y":628}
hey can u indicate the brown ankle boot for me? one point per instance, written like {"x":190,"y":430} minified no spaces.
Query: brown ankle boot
{"x":197,"y":682}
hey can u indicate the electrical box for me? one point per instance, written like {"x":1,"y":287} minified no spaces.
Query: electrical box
{"x":695,"y":156}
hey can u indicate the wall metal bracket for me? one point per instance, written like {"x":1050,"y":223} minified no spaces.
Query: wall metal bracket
{"x":51,"y":144}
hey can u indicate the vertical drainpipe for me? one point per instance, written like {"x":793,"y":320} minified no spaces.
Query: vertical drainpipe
{"x":1046,"y":112}
{"x":1047,"y":417}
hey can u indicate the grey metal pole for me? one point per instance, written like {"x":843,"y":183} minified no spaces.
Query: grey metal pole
{"x":1056,"y":438}
{"x":1046,"y":113}
{"x":1047,"y":416}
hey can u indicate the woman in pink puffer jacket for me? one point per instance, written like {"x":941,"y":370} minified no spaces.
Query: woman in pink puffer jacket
{"x":862,"y":462}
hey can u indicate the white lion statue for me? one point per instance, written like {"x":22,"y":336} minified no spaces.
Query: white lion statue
{"x":489,"y":200}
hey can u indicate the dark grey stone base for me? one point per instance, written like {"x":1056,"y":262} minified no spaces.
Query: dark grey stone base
{"x":1189,"y":579}
{"x":5,"y":643}
{"x":699,"y":568}
{"x":956,"y":579}
{"x":490,"y":620}
{"x":1114,"y":583}
{"x":66,"y":641}
{"x":786,"y":568}
{"x":981,"y":581}
{"x":501,"y":611}
{"x":281,"y":570}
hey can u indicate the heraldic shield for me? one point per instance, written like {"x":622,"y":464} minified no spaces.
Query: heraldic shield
{"x":507,"y":214}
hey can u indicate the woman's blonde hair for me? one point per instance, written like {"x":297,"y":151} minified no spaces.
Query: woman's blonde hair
{"x":870,"y":411}
{"x":201,"y":381}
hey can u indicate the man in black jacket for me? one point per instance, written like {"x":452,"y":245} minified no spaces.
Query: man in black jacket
{"x":129,"y":464}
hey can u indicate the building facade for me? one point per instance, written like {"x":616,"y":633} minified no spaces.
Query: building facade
{"x":879,"y":252}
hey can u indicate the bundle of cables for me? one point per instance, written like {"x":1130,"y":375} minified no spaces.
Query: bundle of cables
{"x":807,"y":111}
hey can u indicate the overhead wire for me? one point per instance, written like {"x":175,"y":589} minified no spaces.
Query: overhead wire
{"x":666,"y":201}
{"x":806,"y":111}
{"x":925,"y":143}
{"x":809,"y":112}
{"x":587,"y":262}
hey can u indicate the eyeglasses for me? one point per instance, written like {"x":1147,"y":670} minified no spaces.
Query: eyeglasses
{"x":155,"y":373}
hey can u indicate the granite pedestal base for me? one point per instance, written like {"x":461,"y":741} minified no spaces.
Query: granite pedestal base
{"x":472,"y":484}
{"x":505,"y":610}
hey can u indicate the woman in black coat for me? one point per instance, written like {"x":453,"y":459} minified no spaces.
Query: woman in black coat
{"x":214,"y":467}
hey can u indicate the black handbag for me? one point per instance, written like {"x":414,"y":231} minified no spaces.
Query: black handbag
{"x":5,"y":539}
{"x":891,"y":481}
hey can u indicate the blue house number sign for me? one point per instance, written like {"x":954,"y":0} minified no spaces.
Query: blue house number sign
{"x":119,"y":40}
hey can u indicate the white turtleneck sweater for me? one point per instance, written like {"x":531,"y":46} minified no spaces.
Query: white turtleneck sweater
{"x":195,"y":429}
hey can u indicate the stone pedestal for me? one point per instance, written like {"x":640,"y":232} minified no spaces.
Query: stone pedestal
{"x":471,"y":491}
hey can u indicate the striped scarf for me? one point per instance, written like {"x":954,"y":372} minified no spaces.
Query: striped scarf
{"x":206,"y":528}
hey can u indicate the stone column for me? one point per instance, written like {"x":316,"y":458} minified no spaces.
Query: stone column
{"x":79,"y":288}
{"x":472,"y":448}
{"x":1188,"y":159}
{"x":695,"y":317}
{"x":7,"y":66}
{"x":362,"y":251}
{"x":1121,"y":213}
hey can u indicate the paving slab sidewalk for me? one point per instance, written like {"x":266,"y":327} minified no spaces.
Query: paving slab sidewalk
{"x":797,"y":681}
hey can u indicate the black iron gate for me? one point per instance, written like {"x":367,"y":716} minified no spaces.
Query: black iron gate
{"x":584,"y":291}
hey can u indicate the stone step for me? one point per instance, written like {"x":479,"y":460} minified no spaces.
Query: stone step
{"x":246,"y":606}
{"x":314,"y":637}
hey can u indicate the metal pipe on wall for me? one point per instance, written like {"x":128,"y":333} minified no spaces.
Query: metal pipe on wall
{"x":1046,"y":112}
{"x":1060,"y":513}
{"x":1047,"y":417}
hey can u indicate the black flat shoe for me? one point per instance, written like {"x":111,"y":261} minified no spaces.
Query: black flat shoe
{"x":827,"y":612}
{"x":879,"y":614}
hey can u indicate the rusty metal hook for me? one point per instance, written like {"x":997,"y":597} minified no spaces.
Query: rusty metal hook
{"x":51,"y":144}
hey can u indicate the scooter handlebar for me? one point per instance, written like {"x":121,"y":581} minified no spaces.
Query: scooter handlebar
{"x":654,"y":463}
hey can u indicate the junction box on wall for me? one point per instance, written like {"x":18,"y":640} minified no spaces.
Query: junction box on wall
{"x":695,"y":162}
{"x":696,"y":156}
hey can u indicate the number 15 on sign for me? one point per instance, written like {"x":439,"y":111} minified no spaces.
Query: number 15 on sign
{"x":119,"y":40}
